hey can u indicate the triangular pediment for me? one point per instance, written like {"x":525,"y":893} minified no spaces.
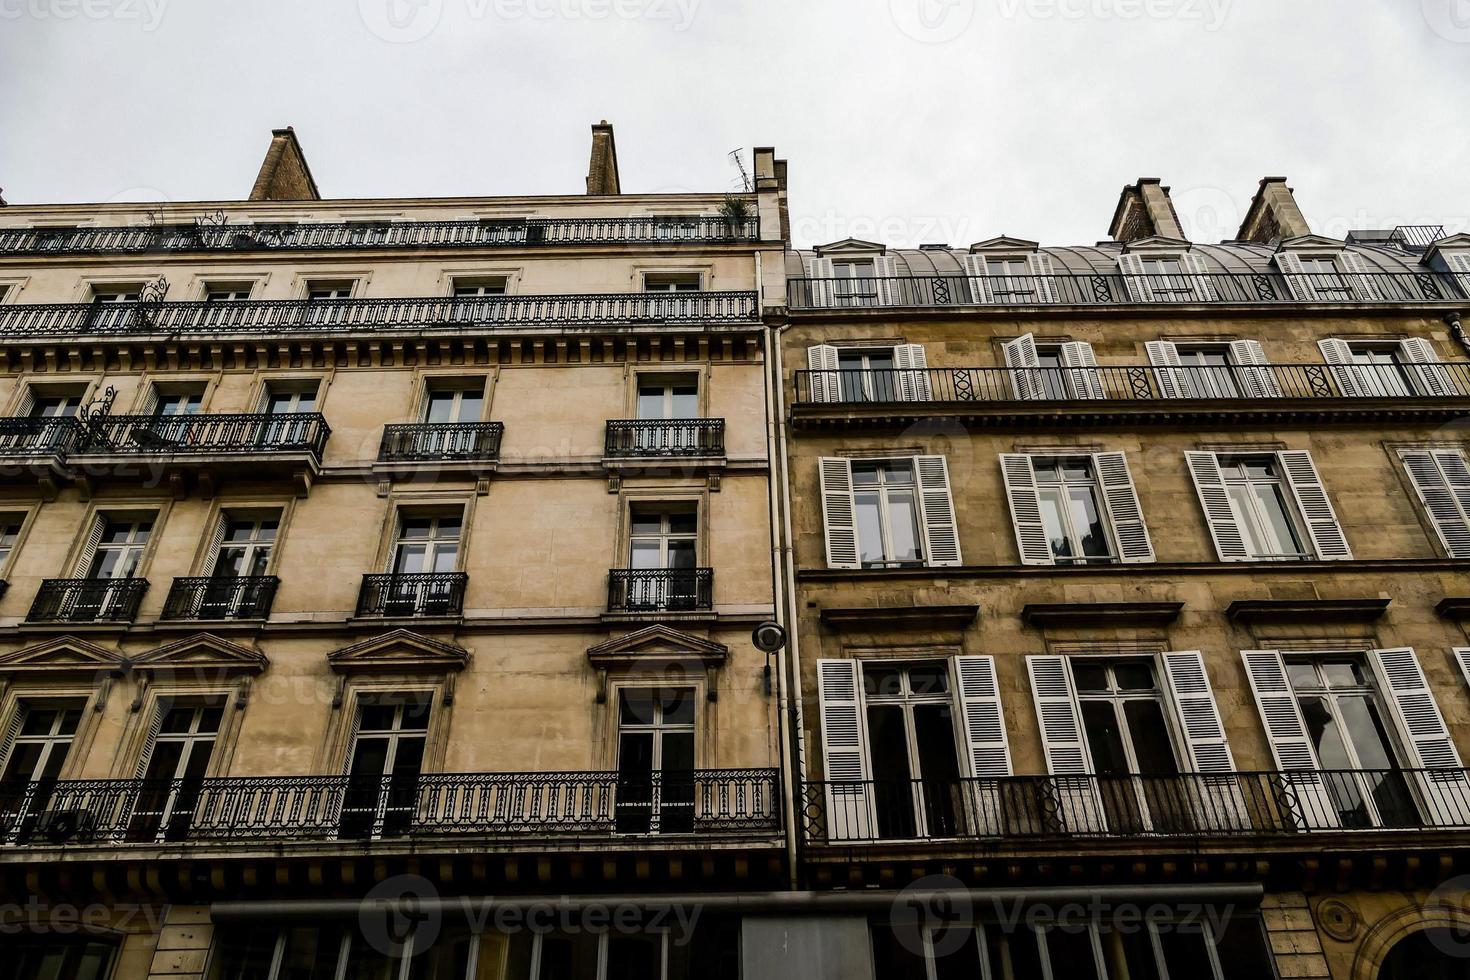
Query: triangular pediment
{"x":1453,"y":243}
{"x":849,"y":245}
{"x":1310,"y":241}
{"x":1157,"y":242}
{"x":62,"y":654}
{"x":400,"y":650}
{"x":203,"y":651}
{"x":658,"y":642}
{"x":1005,"y":243}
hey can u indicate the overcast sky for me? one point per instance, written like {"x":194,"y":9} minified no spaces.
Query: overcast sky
{"x":904,"y":120}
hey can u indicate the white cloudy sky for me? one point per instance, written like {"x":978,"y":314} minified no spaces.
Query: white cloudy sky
{"x":906,"y":120}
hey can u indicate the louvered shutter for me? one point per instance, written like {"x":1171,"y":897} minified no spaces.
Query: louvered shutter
{"x":1020,"y":481}
{"x":1311,"y":803}
{"x":1065,"y":744}
{"x":1046,"y":280}
{"x":1446,"y":793}
{"x":978,"y":274}
{"x":821,"y":283}
{"x":7,"y":739}
{"x":1253,"y":369}
{"x":1021,"y":357}
{"x":1433,"y":377}
{"x":1316,"y":509}
{"x":1442,"y":481}
{"x":1083,"y":377}
{"x":89,"y":546}
{"x":216,"y":541}
{"x":1123,"y":508}
{"x":1172,"y":379}
{"x":850,"y":813}
{"x":839,"y":517}
{"x":1301,"y":285}
{"x":150,"y":400}
{"x":1462,"y":657}
{"x":1200,"y":281}
{"x":941,"y":534}
{"x":1459,"y":264}
{"x":27,"y":402}
{"x":1213,"y":499}
{"x":986,"y":748}
{"x":150,"y":738}
{"x":1362,"y":280}
{"x":1348,"y":375}
{"x":885,"y":283}
{"x":1216,"y":798}
{"x":1139,"y":289}
{"x":826,"y":378}
{"x":913,"y":373}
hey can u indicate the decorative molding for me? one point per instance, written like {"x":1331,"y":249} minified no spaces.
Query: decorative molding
{"x":1005,"y":243}
{"x":202,"y":652}
{"x":62,"y":655}
{"x":1454,"y":607}
{"x":1100,"y":614}
{"x":399,"y":651}
{"x":899,"y":618}
{"x":1307,"y":610}
{"x":661,"y":647}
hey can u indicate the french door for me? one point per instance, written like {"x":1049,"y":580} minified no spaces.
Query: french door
{"x":1132,"y":754}
{"x":915,"y":763}
{"x":386,"y":760}
{"x":173,"y":772}
{"x":655,"y":792}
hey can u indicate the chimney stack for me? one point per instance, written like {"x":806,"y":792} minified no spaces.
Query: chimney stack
{"x":284,"y":175}
{"x":1144,"y":210}
{"x":1273,"y":214}
{"x":602,"y":171}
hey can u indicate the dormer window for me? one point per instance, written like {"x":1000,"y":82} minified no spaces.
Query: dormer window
{"x":852,"y":273}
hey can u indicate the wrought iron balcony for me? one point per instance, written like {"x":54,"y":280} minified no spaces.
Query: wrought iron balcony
{"x":32,"y":437}
{"x":1116,"y":289}
{"x":704,"y":803}
{"x":406,"y":594}
{"x":646,"y":590}
{"x":418,"y":442}
{"x":1239,"y":804}
{"x":87,"y":600}
{"x":641,"y":438}
{"x":351,"y":317}
{"x":255,"y":435}
{"x":413,"y":235}
{"x":221,"y":597}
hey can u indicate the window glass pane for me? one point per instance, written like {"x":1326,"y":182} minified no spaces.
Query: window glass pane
{"x":681,"y":554}
{"x":1365,"y":731}
{"x":634,"y":956}
{"x":38,"y":720}
{"x":864,"y":476}
{"x":1279,"y":530}
{"x":678,"y":705}
{"x":647,"y":522}
{"x":569,"y":956}
{"x":929,"y":678}
{"x":1071,"y":953}
{"x":176,"y":719}
{"x":243,"y":952}
{"x":651,"y":403}
{"x":880,"y":680}
{"x":898,"y":475}
{"x":869,"y":527}
{"x":1242,"y":949}
{"x":416,"y":710}
{"x":711,"y":953}
{"x":1184,"y":951}
{"x":1343,"y":674}
{"x":636,"y":705}
{"x":1104,"y":738}
{"x":1135,"y":676}
{"x":904,"y":526}
{"x":1089,"y":676}
{"x":1303,"y":676}
{"x":1325,"y":734}
{"x":1240,"y":496}
{"x":1088,"y":521}
{"x":956,"y":955}
{"x":1054,"y":524}
{"x":377,"y":717}
{"x":645,"y":554}
{"x":893,"y":957}
{"x":1150,"y":736}
{"x":683,"y":522}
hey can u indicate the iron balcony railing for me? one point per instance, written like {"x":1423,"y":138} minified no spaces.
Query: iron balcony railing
{"x":327,"y":808}
{"x":87,"y":600}
{"x":633,"y":590}
{"x":21,"y":437}
{"x":1174,"y":805}
{"x":221,"y":597}
{"x":635,"y":438}
{"x":286,"y":236}
{"x":395,"y":594}
{"x":437,"y":441}
{"x":1135,"y":382}
{"x":461,"y":314}
{"x":185,"y":435}
{"x":1113,"y":289}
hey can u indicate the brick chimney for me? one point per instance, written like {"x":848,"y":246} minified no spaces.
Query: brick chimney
{"x":1273,"y":214}
{"x":1144,"y":210}
{"x":284,"y":175}
{"x":602,"y":170}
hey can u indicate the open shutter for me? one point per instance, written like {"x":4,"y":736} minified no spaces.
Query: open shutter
{"x":1199,"y":278}
{"x":1083,"y":377}
{"x":941,"y":536}
{"x":150,"y":738}
{"x":1123,"y":508}
{"x":826,"y":381}
{"x":1173,"y":381}
{"x":1442,"y":481}
{"x":150,"y":400}
{"x":1339,"y":353}
{"x":1046,"y":280}
{"x":1131,"y":267}
{"x":1020,"y":480}
{"x":1445,"y":794}
{"x":1210,"y":485}
{"x":839,"y":518}
{"x":821,"y":282}
{"x":978,"y":275}
{"x":1025,"y":365}
{"x":1363,"y":281}
{"x":1433,"y":377}
{"x":1253,"y":369}
{"x":1311,"y":498}
{"x":1296,"y":278}
{"x":216,"y":541}
{"x":1067,"y":760}
{"x":89,"y":546}
{"x":1216,"y":797}
{"x":885,"y":283}
{"x":1459,"y":265}
{"x":984,"y":736}
{"x":913,"y":373}
{"x":845,"y":752}
{"x":7,"y":738}
{"x":1311,"y":804}
{"x":26,"y":404}
{"x":1462,"y":657}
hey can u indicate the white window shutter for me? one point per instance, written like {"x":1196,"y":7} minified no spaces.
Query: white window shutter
{"x":150,"y":738}
{"x":1291,"y":746}
{"x":1434,"y":378}
{"x":27,"y":403}
{"x":1126,"y":514}
{"x":1210,"y":485}
{"x":1065,"y":742}
{"x":1462,"y":658}
{"x":839,"y":516}
{"x":1131,"y":268}
{"x":89,"y":546}
{"x":1083,"y":376}
{"x":216,"y":541}
{"x":1439,"y":478}
{"x":826,"y":381}
{"x":150,"y":400}
{"x":821,"y":282}
{"x":1219,"y":802}
{"x":1364,"y":281}
{"x":1459,"y":265}
{"x":984,"y":736}
{"x":1445,"y":795}
{"x":1253,"y":369}
{"x":978,"y":275}
{"x":1339,"y":353}
{"x":885,"y":283}
{"x":941,"y":533}
{"x":1046,"y":280}
{"x":1200,"y":280}
{"x":850,"y":813}
{"x":1296,"y":278}
{"x":1173,"y":380}
{"x":913,"y":373}
{"x":7,"y":739}
{"x":1020,"y":480}
{"x":1316,"y":509}
{"x":1025,"y":365}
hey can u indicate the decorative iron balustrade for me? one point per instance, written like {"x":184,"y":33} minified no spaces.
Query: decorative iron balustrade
{"x":637,"y":438}
{"x":288,"y":236}
{"x":221,"y":597}
{"x":636,"y":590}
{"x":1114,"y":289}
{"x":1174,"y":805}
{"x":87,"y":600}
{"x":1134,"y":382}
{"x":36,"y":436}
{"x":403,"y":594}
{"x":437,"y":441}
{"x":186,"y":435}
{"x":328,"y":808}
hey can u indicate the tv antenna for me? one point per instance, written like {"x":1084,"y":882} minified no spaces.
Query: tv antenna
{"x":740,"y":166}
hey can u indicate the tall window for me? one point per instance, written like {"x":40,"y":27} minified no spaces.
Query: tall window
{"x":177,"y":762}
{"x":915,"y":760}
{"x":1213,"y":376}
{"x":427,"y":543}
{"x":856,"y":285}
{"x":655,"y":759}
{"x":1167,"y":277}
{"x":459,"y":403}
{"x":49,"y":958}
{"x":887,"y":513}
{"x":1123,"y":715}
{"x":49,"y":403}
{"x":178,"y":403}
{"x":246,"y":548}
{"x":867,"y":374}
{"x":41,"y":745}
{"x":1383,"y":374}
{"x":9,"y":535}
{"x":1261,"y":502}
{"x":386,"y":758}
{"x":1071,"y":511}
{"x":1009,"y":279}
{"x":120,"y":549}
{"x":663,"y":538}
{"x":1325,"y":278}
{"x":668,"y":397}
{"x":290,"y":399}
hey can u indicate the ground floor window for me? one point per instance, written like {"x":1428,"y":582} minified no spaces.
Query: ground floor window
{"x":59,"y":959}
{"x":1431,"y":954}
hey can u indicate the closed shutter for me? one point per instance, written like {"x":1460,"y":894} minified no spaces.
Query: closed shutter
{"x":821,"y":282}
{"x":1316,"y":509}
{"x":1362,"y":280}
{"x":1083,"y":377}
{"x":1020,"y":481}
{"x":1442,"y":480}
{"x":987,"y":751}
{"x":1200,"y":280}
{"x":1046,"y":280}
{"x":826,"y":381}
{"x":1123,"y":508}
{"x":845,"y":751}
{"x":1445,"y":794}
{"x":1065,"y":745}
{"x":941,"y":535}
{"x":885,"y":283}
{"x":1339,"y":353}
{"x":839,"y":517}
{"x":89,"y":546}
{"x":1297,"y":280}
{"x":978,"y":275}
{"x":1253,"y":370}
{"x":1433,"y":377}
{"x":1216,"y":796}
{"x":913,"y":373}
{"x":1021,"y":357}
{"x":1173,"y":381}
{"x":1139,"y":289}
{"x":1213,"y":499}
{"x":1311,"y":804}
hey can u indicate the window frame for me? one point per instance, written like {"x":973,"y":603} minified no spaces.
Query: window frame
{"x":885,"y":505}
{"x":1094,"y":486}
{"x":1291,"y":511}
